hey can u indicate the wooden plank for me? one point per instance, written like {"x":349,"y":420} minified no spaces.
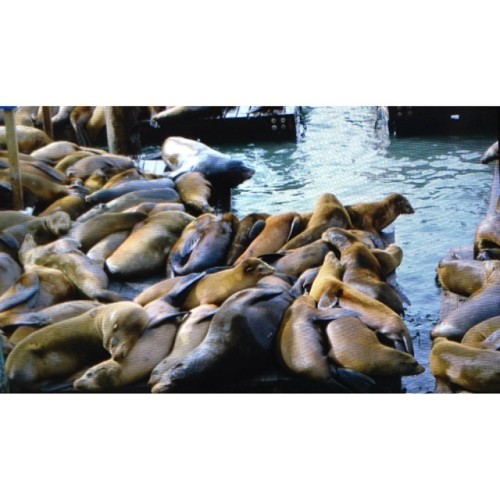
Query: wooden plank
{"x":13,"y":150}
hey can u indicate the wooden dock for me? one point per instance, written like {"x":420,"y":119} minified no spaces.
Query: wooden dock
{"x":236,"y":124}
{"x":407,"y":121}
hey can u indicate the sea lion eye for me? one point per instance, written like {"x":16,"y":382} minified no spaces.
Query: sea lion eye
{"x":115,"y":326}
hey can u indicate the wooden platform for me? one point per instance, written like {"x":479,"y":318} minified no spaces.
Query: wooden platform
{"x":406,"y":121}
{"x":237,"y":124}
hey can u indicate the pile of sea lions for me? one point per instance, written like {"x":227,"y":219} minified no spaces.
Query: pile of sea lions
{"x":464,"y":355}
{"x":311,"y":295}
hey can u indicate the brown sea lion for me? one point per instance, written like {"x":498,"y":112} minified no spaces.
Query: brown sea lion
{"x":484,"y":335}
{"x":464,"y":276}
{"x":362,"y":269}
{"x":355,"y":346}
{"x":195,"y":191}
{"x":58,"y":150}
{"x":125,"y":176}
{"x":67,"y":161}
{"x":104,"y":248}
{"x":28,"y":138}
{"x":153,"y":208}
{"x":377,"y":316}
{"x":239,"y":341}
{"x":107,"y":163}
{"x":62,"y":349}
{"x":146,"y":250}
{"x":470,"y":368}
{"x":331,"y":267}
{"x":389,"y":259}
{"x":152,"y":346}
{"x":278,"y":229}
{"x":203,"y":244}
{"x":487,"y":237}
{"x":29,"y":322}
{"x":301,"y":344}
{"x":73,"y":204}
{"x":378,"y":215}
{"x":295,"y":262}
{"x":215,"y":288}
{"x":91,"y":232}
{"x":34,"y":290}
{"x":248,"y":229}
{"x":191,"y":332}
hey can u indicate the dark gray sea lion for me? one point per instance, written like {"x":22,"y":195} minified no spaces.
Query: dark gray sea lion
{"x":203,"y":244}
{"x":183,"y":155}
{"x":239,"y":341}
{"x":105,"y":195}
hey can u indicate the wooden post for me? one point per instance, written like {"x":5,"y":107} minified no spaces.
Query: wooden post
{"x":3,"y":378}
{"x":122,"y":130}
{"x":12,"y":148}
{"x":47,"y":121}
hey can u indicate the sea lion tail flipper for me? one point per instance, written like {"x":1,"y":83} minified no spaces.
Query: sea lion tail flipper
{"x":391,"y":281}
{"x":355,"y":381}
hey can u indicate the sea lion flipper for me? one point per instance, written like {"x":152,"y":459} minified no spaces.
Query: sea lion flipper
{"x":108,"y":296}
{"x":25,"y":289}
{"x":295,"y":227}
{"x":493,"y":341}
{"x":327,"y":302}
{"x":256,"y":229}
{"x":355,"y":381}
{"x":178,"y":293}
{"x":270,"y":258}
{"x":332,"y":314}
{"x":160,"y":319}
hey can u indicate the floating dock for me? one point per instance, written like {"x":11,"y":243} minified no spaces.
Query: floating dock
{"x":236,"y":124}
{"x":407,"y":121}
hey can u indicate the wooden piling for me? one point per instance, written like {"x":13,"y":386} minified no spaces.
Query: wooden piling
{"x":12,"y":148}
{"x":47,"y":121}
{"x":122,"y":130}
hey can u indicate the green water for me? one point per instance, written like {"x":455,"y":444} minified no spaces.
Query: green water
{"x":343,"y":152}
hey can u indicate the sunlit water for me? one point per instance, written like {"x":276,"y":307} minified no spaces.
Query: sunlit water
{"x":345,"y":153}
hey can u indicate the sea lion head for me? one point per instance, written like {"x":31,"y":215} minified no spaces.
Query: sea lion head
{"x":97,"y":378}
{"x":121,"y":324}
{"x":401,"y":203}
{"x":256,"y":266}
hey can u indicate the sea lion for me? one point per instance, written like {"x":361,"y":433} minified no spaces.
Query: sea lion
{"x":107,"y":163}
{"x":104,"y":248}
{"x":28,"y":138}
{"x":203,"y":244}
{"x":377,"y":215}
{"x":10,"y":218}
{"x":183,"y":155}
{"x":125,"y":176}
{"x":389,"y":258}
{"x":295,"y":262}
{"x":131,"y":200}
{"x":9,"y":272}
{"x":377,"y":316}
{"x":67,"y":161}
{"x":248,"y":229}
{"x":362,"y":270}
{"x":470,"y":368}
{"x":182,"y":113}
{"x":481,"y":305}
{"x":152,"y":346}
{"x":152,"y":208}
{"x":108,"y":194}
{"x":278,"y":229}
{"x":191,"y":332}
{"x":34,"y":290}
{"x":481,"y":334}
{"x":146,"y":250}
{"x":91,"y":232}
{"x":487,"y":237}
{"x":304,"y":282}
{"x":355,"y":346}
{"x":301,"y":345}
{"x":491,"y":154}
{"x":464,"y":276}
{"x":239,"y":341}
{"x":58,"y":150}
{"x":29,"y":322}
{"x":195,"y":191}
{"x":62,"y":349}
{"x":73,"y":204}
{"x":215,"y":288}
{"x":331,"y":267}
